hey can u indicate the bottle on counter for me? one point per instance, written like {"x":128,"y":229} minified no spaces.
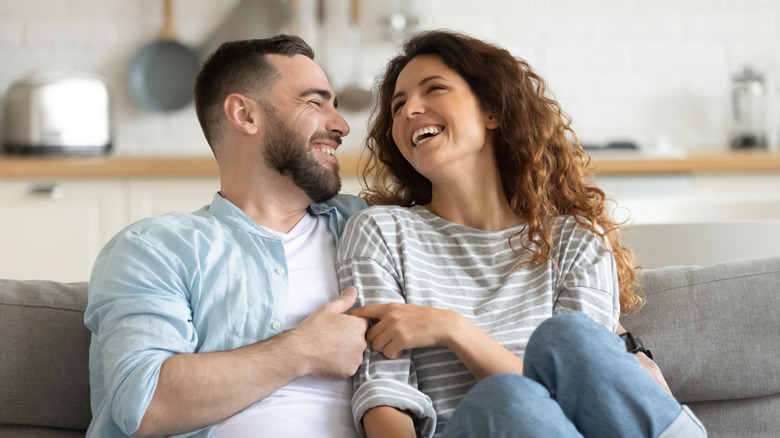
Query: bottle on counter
{"x":750,"y":106}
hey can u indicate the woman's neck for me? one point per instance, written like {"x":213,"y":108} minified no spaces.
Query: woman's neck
{"x":478,"y":203}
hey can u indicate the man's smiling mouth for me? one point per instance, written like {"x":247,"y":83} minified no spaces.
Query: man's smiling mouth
{"x":423,"y":134}
{"x":327,"y":150}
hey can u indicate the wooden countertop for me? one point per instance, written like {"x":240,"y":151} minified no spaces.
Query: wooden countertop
{"x":727,"y":162}
{"x":724,"y":162}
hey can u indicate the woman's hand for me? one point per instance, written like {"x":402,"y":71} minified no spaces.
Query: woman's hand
{"x":398,"y":327}
{"x":648,"y":364}
{"x":651,"y":367}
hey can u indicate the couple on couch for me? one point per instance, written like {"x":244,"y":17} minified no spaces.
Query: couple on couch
{"x":487,"y":279}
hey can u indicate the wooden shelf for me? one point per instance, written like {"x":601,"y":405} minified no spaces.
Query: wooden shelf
{"x":729,"y":162}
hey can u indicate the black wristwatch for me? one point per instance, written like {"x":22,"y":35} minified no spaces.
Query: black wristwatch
{"x":634,"y":344}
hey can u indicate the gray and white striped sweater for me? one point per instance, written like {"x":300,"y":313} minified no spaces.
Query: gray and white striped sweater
{"x":408,"y":255}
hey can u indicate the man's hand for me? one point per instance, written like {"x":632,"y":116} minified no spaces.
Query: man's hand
{"x":335,"y":340}
{"x":400,"y":327}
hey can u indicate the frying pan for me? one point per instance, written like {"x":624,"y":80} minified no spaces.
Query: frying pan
{"x":162,"y":73}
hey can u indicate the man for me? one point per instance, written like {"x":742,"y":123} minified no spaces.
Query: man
{"x":235,"y":308}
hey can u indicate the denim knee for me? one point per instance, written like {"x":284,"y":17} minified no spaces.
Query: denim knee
{"x":576,"y":334}
{"x":500,"y":385}
{"x":507,"y":394}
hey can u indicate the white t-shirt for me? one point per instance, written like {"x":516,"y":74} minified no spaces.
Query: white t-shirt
{"x":308,"y":406}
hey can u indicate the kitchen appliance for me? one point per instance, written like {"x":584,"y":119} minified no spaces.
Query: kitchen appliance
{"x":750,"y":107}
{"x":58,"y":113}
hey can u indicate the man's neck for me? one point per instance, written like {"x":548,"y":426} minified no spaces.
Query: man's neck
{"x":274,"y":203}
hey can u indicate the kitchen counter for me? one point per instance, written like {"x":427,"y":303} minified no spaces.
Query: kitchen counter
{"x":694,"y":163}
{"x":726,"y":162}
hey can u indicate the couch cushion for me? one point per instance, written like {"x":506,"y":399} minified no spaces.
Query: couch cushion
{"x":714,"y":330}
{"x":44,"y":371}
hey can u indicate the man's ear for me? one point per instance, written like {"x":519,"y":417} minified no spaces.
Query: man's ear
{"x":243,"y":113}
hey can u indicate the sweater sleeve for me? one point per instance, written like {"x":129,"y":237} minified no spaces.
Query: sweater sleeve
{"x":588,"y":280}
{"x":372,"y":264}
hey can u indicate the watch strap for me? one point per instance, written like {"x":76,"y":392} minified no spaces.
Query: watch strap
{"x":634,"y":344}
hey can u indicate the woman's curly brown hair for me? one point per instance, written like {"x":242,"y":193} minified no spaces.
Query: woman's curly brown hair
{"x":544,"y":170}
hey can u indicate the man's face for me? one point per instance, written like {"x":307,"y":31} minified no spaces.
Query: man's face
{"x":303,"y":129}
{"x":289,"y":153}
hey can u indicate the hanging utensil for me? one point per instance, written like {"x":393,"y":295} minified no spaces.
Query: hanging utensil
{"x":162,"y":73}
{"x":355,"y":96}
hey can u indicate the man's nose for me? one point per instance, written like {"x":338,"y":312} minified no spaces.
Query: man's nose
{"x":337,"y":124}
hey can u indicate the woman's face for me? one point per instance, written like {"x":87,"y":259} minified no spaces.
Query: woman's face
{"x":438,"y":124}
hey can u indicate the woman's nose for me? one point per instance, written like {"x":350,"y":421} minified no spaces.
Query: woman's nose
{"x":413,"y":106}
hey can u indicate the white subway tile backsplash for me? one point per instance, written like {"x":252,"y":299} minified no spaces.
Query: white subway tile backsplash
{"x":35,"y":9}
{"x":621,"y":68}
{"x":729,"y":28}
{"x":11,"y":33}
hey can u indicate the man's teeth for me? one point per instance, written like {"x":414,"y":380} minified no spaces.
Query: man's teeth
{"x":327,"y":150}
{"x":424,"y":133}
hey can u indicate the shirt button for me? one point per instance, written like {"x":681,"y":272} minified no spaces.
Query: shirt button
{"x":275,"y":325}
{"x":279,"y":270}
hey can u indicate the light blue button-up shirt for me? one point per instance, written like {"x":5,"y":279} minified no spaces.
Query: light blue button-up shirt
{"x":211,"y":280}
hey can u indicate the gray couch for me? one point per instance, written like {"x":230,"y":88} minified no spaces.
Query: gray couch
{"x":714,"y":332}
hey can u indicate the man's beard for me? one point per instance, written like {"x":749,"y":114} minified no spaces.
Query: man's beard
{"x":287,"y":152}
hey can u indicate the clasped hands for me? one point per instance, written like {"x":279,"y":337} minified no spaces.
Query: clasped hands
{"x":396,"y":327}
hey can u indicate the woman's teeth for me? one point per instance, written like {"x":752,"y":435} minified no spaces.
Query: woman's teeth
{"x":423,"y":134}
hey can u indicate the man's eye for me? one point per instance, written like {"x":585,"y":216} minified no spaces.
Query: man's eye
{"x":315,"y":102}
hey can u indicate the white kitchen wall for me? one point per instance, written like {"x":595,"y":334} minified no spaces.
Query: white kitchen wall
{"x":623,"y":69}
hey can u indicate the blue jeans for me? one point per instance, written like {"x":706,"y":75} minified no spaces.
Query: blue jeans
{"x":578,"y":381}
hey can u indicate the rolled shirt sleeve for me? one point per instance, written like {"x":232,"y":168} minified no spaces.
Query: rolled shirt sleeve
{"x":139,"y":317}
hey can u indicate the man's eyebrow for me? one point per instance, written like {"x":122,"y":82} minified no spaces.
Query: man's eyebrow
{"x":325,"y":94}
{"x":419,"y":84}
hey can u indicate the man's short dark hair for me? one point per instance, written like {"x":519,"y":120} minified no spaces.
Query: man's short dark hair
{"x":239,"y":67}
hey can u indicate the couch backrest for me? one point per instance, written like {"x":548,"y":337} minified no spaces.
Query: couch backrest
{"x":714,"y":331}
{"x":44,"y":370}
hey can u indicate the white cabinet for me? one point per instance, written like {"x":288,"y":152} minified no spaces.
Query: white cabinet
{"x":694,"y":198}
{"x":54,"y":229}
{"x":154,"y":197}
{"x":698,"y":219}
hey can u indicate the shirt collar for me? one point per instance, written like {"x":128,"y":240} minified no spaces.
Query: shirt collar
{"x":228,"y":212}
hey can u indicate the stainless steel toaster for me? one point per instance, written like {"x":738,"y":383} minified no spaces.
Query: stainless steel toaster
{"x":61,"y":113}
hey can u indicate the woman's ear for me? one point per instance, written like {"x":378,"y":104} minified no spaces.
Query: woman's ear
{"x":491,"y":121}
{"x":242,"y":113}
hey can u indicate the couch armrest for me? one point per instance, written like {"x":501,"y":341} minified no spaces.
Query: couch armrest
{"x":44,"y":371}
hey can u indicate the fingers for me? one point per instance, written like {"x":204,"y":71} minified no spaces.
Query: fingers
{"x":386,"y":340}
{"x":371,"y":311}
{"x":345,"y":301}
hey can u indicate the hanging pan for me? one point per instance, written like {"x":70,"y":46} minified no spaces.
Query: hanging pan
{"x":162,"y":73}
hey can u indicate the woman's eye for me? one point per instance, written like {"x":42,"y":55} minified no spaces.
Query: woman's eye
{"x":397,"y":106}
{"x":435,"y":87}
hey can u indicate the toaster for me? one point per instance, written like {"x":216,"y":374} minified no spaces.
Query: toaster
{"x":60,"y":113}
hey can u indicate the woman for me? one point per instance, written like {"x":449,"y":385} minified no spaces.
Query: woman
{"x":488,"y":228}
